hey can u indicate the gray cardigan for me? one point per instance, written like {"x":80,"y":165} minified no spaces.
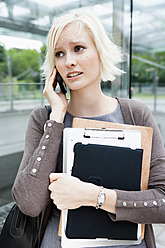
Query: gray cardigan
{"x":30,"y":189}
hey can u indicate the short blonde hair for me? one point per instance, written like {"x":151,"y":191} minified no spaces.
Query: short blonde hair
{"x":109,"y":54}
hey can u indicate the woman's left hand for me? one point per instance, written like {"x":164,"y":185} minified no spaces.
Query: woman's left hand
{"x":68,"y":192}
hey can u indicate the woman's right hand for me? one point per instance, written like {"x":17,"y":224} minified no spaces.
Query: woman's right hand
{"x":57,"y":101}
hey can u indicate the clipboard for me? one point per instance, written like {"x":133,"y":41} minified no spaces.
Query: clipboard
{"x":146,"y":135}
{"x":128,"y":138}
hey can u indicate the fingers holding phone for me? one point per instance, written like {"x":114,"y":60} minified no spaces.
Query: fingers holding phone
{"x":53,"y":78}
{"x":57,"y":101}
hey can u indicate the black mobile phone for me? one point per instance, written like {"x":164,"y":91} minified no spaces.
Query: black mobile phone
{"x":61,"y":83}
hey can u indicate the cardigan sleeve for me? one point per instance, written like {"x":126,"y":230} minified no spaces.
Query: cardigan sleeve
{"x":30,"y":189}
{"x":145,"y":206}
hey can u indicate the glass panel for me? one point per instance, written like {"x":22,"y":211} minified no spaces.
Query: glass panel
{"x":32,"y":21}
{"x":121,"y":37}
{"x":148,"y":60}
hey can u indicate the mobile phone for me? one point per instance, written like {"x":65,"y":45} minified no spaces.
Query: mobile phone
{"x":61,"y":83}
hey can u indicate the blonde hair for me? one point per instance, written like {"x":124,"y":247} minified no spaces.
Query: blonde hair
{"x":109,"y":54}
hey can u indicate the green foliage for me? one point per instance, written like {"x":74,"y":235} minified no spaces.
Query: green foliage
{"x":3,"y":71}
{"x":25,"y":60}
{"x":2,"y":54}
{"x":43,"y":53}
{"x":143,"y":73}
{"x":161,"y":58}
{"x":3,"y":64}
{"x":26,"y":64}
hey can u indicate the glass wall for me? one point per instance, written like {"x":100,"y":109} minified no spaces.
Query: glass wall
{"x":148,"y":57}
{"x":20,"y":82}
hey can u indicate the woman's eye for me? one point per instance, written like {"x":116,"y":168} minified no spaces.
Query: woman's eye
{"x":59,"y":54}
{"x":79,"y":48}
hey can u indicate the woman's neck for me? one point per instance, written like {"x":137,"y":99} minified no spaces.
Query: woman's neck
{"x":90,"y":104}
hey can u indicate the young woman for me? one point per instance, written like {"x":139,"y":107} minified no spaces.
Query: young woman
{"x":79,"y":49}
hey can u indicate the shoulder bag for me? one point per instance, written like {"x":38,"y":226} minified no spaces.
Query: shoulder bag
{"x":19,"y":230}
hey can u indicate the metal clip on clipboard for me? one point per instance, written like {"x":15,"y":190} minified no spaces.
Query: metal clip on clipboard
{"x":104,"y":133}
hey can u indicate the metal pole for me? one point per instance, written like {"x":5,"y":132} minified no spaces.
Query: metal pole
{"x":117,"y":32}
{"x":41,"y":82}
{"x":10,"y":82}
{"x":130,"y":53}
{"x":155,"y":88}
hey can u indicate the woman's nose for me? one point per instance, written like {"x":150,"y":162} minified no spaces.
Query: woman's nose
{"x":70,"y":60}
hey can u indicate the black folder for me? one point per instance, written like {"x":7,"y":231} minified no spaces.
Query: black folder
{"x":112,"y":167}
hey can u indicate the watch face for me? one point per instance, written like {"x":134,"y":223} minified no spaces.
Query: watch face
{"x":101,"y":198}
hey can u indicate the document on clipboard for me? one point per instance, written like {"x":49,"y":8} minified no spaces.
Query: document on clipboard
{"x":97,"y":155}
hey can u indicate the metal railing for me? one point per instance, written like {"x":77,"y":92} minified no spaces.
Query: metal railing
{"x":21,"y":96}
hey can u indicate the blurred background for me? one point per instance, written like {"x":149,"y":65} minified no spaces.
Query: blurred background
{"x":138,"y":27}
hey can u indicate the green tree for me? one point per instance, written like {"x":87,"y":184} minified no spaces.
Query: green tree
{"x":3,"y":64}
{"x":25,"y":62}
{"x":43,"y":53}
{"x":143,"y":74}
{"x":161,"y":60}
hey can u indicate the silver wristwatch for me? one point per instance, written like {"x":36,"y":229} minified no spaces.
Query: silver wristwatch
{"x":101,"y":198}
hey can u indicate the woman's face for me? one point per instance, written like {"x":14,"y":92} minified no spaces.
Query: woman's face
{"x":76,"y":58}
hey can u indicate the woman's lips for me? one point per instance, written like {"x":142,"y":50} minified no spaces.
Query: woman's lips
{"x":74,"y":75}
